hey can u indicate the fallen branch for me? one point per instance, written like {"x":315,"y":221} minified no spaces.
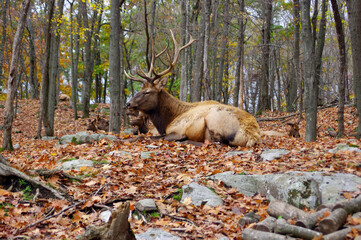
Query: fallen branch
{"x":267,"y":225}
{"x":180,"y":219}
{"x":333,"y":222}
{"x":283,"y":227}
{"x":310,"y":220}
{"x":351,"y":206}
{"x":252,"y":234}
{"x":341,"y":234}
{"x":279,"y":208}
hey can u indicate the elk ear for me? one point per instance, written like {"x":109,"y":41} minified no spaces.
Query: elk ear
{"x":161,"y":83}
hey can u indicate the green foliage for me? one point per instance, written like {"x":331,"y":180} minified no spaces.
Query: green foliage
{"x":177,"y":195}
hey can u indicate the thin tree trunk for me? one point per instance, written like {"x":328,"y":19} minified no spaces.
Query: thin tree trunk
{"x":12,"y":80}
{"x":74,"y":61}
{"x":296,"y":57}
{"x":354,"y":9}
{"x":342,"y":59}
{"x":45,"y":72}
{"x":213,"y":43}
{"x":53,"y":72}
{"x":308,"y":63}
{"x":207,"y":80}
{"x":114,"y":67}
{"x":183,"y":84}
{"x":87,"y":77}
{"x":3,"y":37}
{"x":34,"y":85}
{"x":238,"y":85}
{"x":226,"y":22}
{"x":264,"y":101}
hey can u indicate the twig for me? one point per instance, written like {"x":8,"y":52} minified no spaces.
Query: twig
{"x":180,"y":219}
{"x":142,"y":216}
{"x":44,"y":219}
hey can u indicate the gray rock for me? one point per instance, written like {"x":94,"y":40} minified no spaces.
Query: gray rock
{"x":201,"y":195}
{"x":146,"y":205}
{"x":344,"y":147}
{"x":47,"y":138}
{"x":85,"y":137}
{"x":269,"y":155}
{"x":116,"y":153}
{"x":156,"y":234}
{"x":75,"y":164}
{"x":152,"y":146}
{"x":128,"y":131}
{"x":17,"y":146}
{"x":236,"y":153}
{"x":105,"y":215}
{"x":301,"y":189}
{"x":145,"y":155}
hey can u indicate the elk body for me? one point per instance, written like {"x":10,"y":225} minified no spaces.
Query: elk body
{"x":200,"y":121}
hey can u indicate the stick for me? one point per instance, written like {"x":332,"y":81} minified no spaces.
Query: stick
{"x":333,"y":222}
{"x":267,"y":225}
{"x":283,"y":227}
{"x":252,"y":234}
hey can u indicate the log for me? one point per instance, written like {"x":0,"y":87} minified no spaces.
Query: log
{"x":283,"y":227}
{"x":252,"y":234}
{"x":117,"y":228}
{"x":341,"y":234}
{"x":267,"y":225}
{"x":333,"y":222}
{"x":351,"y":206}
{"x":7,"y":171}
{"x":310,"y":220}
{"x":279,"y":208}
{"x":249,"y":218}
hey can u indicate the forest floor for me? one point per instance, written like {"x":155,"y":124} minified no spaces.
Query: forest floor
{"x":131,"y":178}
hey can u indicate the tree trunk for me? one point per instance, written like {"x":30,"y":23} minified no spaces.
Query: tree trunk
{"x":342,"y":59}
{"x":213,"y":43}
{"x":238,"y":85}
{"x":114,"y":67}
{"x":183,"y":84}
{"x":53,"y":72}
{"x":226,"y":22}
{"x":354,"y":8}
{"x":207,"y":80}
{"x":264,"y":101}
{"x":310,"y":81}
{"x":34,"y":85}
{"x":196,"y":83}
{"x":74,"y":55}
{"x":45,"y":72}
{"x":12,"y":80}
{"x":87,"y":78}
{"x":3,"y":38}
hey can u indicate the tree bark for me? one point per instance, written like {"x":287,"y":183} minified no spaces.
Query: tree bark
{"x":287,"y":229}
{"x":45,"y":72}
{"x":333,"y":222}
{"x":34,"y":85}
{"x":226,"y":22}
{"x":3,"y":37}
{"x":114,"y":67}
{"x":12,"y":80}
{"x":354,"y":8}
{"x":342,"y":59}
{"x":238,"y":85}
{"x":278,"y":208}
{"x":206,"y":70}
{"x":267,"y":225}
{"x":311,"y":88}
{"x":264,"y":99}
{"x":252,"y":234}
{"x":183,"y":90}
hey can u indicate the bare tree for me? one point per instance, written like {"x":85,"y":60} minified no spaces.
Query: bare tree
{"x":3,"y":37}
{"x":74,"y":60}
{"x":13,"y":80}
{"x":342,"y":59}
{"x":354,"y":9}
{"x":34,"y":85}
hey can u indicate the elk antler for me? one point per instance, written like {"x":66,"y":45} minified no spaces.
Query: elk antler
{"x":152,"y":75}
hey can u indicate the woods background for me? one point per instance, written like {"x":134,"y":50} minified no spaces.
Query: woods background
{"x":255,"y":54}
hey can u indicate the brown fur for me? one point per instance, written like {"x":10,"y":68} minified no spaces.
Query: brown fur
{"x":199,"y":121}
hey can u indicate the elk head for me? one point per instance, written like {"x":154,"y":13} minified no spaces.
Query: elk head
{"x":153,"y":82}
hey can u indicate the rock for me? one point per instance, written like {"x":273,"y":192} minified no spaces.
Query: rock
{"x":47,"y":138}
{"x":128,"y":131}
{"x":200,"y":195}
{"x":75,"y":164}
{"x":146,"y":205}
{"x":105,"y":215}
{"x":301,"y":189}
{"x":145,"y":155}
{"x":17,"y":146}
{"x":345,"y":147}
{"x":117,"y":153}
{"x":156,"y":234}
{"x":269,"y":155}
{"x":236,"y":153}
{"x":152,"y":146}
{"x":85,"y":137}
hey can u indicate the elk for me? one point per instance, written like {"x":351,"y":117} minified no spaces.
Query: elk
{"x":177,"y":120}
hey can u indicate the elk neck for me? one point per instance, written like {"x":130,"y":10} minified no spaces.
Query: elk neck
{"x":167,"y":110}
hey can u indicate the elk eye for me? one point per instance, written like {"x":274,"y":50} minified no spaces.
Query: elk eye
{"x":147,"y":92}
